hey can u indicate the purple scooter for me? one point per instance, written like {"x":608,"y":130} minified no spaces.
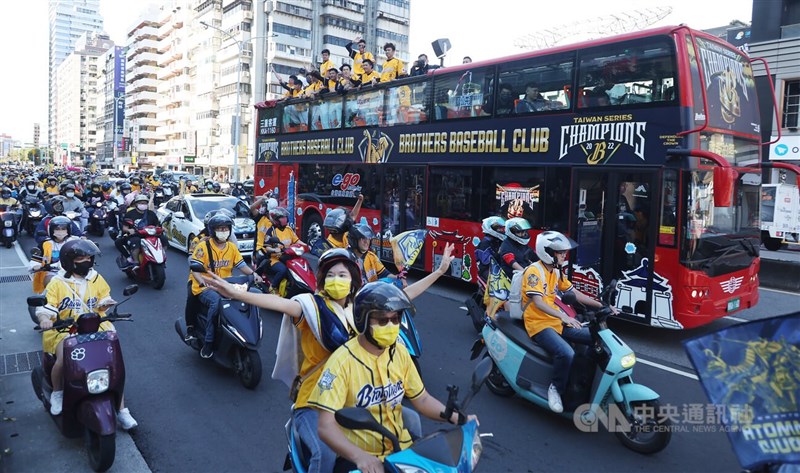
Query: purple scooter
{"x":94,"y":378}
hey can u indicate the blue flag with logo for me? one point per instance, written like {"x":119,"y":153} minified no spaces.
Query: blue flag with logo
{"x":752,"y":370}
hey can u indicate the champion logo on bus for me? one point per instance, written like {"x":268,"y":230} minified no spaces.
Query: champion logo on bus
{"x":731,"y":285}
{"x":600,"y":141}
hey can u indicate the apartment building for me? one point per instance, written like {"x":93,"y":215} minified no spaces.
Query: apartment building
{"x":111,"y":104}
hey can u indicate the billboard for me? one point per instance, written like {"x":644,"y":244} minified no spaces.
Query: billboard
{"x":119,"y":96}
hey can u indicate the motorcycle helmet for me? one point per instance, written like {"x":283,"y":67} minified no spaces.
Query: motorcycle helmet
{"x":378,"y":296}
{"x":358,"y":232}
{"x":217,"y":187}
{"x":279,"y":217}
{"x":337,"y":221}
{"x":95,"y":187}
{"x":69,"y":187}
{"x":339,"y":255}
{"x":218,"y":220}
{"x":517,"y":229}
{"x":106,"y":187}
{"x":550,"y":242}
{"x":30,"y":184}
{"x":74,"y":249}
{"x":57,"y":204}
{"x":209,"y":185}
{"x":125,"y":188}
{"x":6,"y":193}
{"x":494,"y":226}
{"x":59,"y":222}
{"x":141,"y":198}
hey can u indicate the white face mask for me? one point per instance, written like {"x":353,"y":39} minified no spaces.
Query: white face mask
{"x":60,"y":234}
{"x":222,"y":236}
{"x":31,"y":187}
{"x":70,"y":194}
{"x":142,"y":207}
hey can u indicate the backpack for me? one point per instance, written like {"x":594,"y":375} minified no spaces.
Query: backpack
{"x":515,"y":307}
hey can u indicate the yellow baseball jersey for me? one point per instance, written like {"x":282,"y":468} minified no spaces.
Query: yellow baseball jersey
{"x":136,"y":187}
{"x":323,"y":68}
{"x":354,"y":377}
{"x":404,"y":96}
{"x":311,"y":89}
{"x":371,"y":267}
{"x":365,"y":78}
{"x":537,"y":280}
{"x":264,"y":224}
{"x":286,"y":237}
{"x":358,"y":59}
{"x":292,"y":93}
{"x":9,"y":202}
{"x":71,"y":298}
{"x":392,"y":69}
{"x":52,"y":190}
{"x":51,"y":250}
{"x":224,"y":261}
{"x":340,"y":242}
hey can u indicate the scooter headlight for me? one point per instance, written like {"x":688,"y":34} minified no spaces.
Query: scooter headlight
{"x":403,"y":468}
{"x":97,"y":381}
{"x":477,"y":449}
{"x":628,"y":360}
{"x":8,"y":224}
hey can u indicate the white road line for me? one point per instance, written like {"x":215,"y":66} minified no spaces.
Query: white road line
{"x":21,"y":254}
{"x":667,"y":368}
{"x":778,"y":290}
{"x":736,"y":319}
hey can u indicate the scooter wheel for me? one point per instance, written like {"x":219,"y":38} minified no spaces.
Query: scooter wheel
{"x":9,"y":243}
{"x":650,"y":435}
{"x":497,"y":383}
{"x":101,"y":450}
{"x":159,"y":276}
{"x":249,"y":368}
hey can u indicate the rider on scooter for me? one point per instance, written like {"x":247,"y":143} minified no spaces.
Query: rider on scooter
{"x":338,"y":223}
{"x":515,"y":254}
{"x":60,"y":230}
{"x":56,"y":205}
{"x":81,"y":289}
{"x":6,"y":199}
{"x":371,"y":362}
{"x":489,"y":247}
{"x":219,"y":256}
{"x":260,"y":212}
{"x":286,"y":236}
{"x":550,"y":327}
{"x":360,"y":237}
{"x":141,"y":215}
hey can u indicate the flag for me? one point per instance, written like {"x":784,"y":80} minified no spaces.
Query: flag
{"x":751,"y":372}
{"x":406,"y":247}
{"x":498,"y":287}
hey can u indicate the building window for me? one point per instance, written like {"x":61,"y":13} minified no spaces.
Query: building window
{"x":791,"y":104}
{"x":291,"y":30}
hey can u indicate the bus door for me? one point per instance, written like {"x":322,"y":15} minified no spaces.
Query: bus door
{"x":616,"y":234}
{"x":402,"y":205}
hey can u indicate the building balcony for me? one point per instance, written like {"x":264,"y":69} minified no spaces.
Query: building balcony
{"x":143,"y":108}
{"x":149,"y":135}
{"x":145,"y":44}
{"x":144,"y":58}
{"x":142,"y":96}
{"x":145,"y":121}
{"x":143,"y":70}
{"x":144,"y":82}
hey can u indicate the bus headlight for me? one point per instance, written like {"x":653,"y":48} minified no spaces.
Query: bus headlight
{"x":477,"y":449}
{"x":97,"y":381}
{"x":628,"y":360}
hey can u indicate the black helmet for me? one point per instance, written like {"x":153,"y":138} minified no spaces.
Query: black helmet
{"x":380,"y":296}
{"x":218,"y":220}
{"x":217,"y":187}
{"x":337,"y":221}
{"x":339,"y":255}
{"x":6,"y":192}
{"x":358,"y":232}
{"x":74,"y":249}
{"x":69,"y":187}
{"x":125,"y":187}
{"x":278,"y":213}
{"x":95,"y":187}
{"x":106,"y":186}
{"x":57,"y":222}
{"x":57,"y":204}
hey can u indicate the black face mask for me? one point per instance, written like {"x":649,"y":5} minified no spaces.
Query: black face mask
{"x":83,"y":268}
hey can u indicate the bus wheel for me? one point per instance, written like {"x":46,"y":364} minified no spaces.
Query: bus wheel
{"x":772,"y":244}
{"x":312,"y":229}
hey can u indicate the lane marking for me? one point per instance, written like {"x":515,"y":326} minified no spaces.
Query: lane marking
{"x":21,"y":254}
{"x":667,"y":368}
{"x":736,"y":319}
{"x":778,"y":290}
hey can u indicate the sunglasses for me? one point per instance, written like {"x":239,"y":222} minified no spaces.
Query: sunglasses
{"x":382,"y":321}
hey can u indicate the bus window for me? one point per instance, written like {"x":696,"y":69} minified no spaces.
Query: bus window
{"x":621,"y":74}
{"x":462,"y":94}
{"x":326,"y":113}
{"x":517,"y":193}
{"x":408,"y":104}
{"x":364,"y":109}
{"x":556,"y":201}
{"x":669,"y":209}
{"x":539,"y":84}
{"x":295,"y":117}
{"x":339,"y":184}
{"x":453,"y":192}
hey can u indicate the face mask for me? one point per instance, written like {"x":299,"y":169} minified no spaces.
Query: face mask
{"x":31,"y":187}
{"x":337,"y":288}
{"x":60,"y":234}
{"x":262,"y":211}
{"x":385,"y":336}
{"x":70,"y":194}
{"x":142,"y":207}
{"x":82,"y":269}
{"x":222,"y":236}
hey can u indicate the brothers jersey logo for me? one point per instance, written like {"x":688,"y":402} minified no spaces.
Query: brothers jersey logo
{"x":75,"y":303}
{"x":326,"y":381}
{"x":390,"y":394}
{"x":600,"y":141}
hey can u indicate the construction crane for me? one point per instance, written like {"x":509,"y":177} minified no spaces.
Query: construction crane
{"x":593,"y":28}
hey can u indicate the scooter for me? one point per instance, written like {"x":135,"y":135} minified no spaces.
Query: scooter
{"x":301,"y":279}
{"x":97,"y":219}
{"x":152,"y":264}
{"x":452,"y":449}
{"x":9,"y":231}
{"x":112,"y":218}
{"x":33,"y":212}
{"x":94,"y":379}
{"x":237,"y":337}
{"x":600,"y":387}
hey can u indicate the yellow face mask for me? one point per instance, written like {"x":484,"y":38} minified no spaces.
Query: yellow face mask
{"x":337,"y":288}
{"x":385,"y":335}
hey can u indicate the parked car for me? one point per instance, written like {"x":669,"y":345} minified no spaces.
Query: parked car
{"x":182,"y":218}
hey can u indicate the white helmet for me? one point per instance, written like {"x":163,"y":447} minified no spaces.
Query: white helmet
{"x":547,"y":243}
{"x":271,"y":204}
{"x":517,"y":229}
{"x":494,"y":226}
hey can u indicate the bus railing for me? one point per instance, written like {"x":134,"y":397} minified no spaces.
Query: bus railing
{"x":702,"y":88}
{"x":724,"y":174}
{"x":774,"y":101}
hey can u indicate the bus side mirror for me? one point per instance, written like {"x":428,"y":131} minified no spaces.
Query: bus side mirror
{"x":724,"y":184}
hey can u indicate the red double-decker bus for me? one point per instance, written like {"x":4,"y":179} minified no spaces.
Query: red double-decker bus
{"x":637,"y":146}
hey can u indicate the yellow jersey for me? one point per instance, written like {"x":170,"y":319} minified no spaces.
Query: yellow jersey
{"x":286,"y":237}
{"x":392,"y":69}
{"x":358,"y":59}
{"x":537,"y":280}
{"x":352,"y":376}
{"x":224,"y":260}
{"x":262,"y":227}
{"x":371,"y":267}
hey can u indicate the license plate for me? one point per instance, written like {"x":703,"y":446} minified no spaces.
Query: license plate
{"x":733,"y":304}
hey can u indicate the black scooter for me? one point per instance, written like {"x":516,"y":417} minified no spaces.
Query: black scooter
{"x":237,"y":336}
{"x":8,"y":233}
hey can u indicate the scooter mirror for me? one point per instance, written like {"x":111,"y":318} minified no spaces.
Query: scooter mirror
{"x":179,"y":215}
{"x":197,"y":267}
{"x":481,"y":373}
{"x":569,"y":298}
{"x":357,"y":418}
{"x":37,"y":301}
{"x":130,"y":290}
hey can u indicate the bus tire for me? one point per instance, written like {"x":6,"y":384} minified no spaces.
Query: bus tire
{"x":772,"y":244}
{"x":312,"y":228}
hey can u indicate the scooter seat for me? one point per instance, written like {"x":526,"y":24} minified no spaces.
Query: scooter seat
{"x":515,"y":330}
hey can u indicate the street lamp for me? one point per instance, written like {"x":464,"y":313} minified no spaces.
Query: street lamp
{"x":238,"y":118}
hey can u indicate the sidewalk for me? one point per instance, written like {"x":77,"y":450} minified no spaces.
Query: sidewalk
{"x":29,"y":440}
